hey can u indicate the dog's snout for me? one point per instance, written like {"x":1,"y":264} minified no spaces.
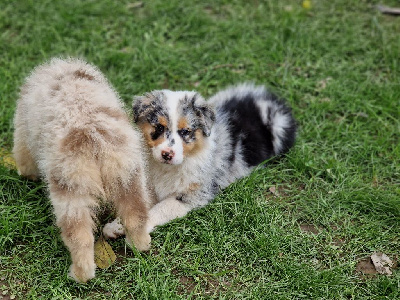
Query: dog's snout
{"x":167,"y":155}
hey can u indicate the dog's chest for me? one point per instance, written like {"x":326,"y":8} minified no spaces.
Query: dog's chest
{"x":174,"y":181}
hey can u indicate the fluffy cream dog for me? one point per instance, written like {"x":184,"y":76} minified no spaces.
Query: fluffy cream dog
{"x":71,"y":129}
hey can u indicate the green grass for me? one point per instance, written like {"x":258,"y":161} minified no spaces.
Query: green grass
{"x":337,"y":64}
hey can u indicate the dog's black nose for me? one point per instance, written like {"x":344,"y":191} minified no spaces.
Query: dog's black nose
{"x":167,"y":155}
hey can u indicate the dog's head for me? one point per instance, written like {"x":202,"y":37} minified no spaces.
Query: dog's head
{"x":175,"y":124}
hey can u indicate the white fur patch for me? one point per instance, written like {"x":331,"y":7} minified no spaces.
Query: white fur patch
{"x":114,"y":229}
{"x":276,"y":120}
{"x":281,"y":122}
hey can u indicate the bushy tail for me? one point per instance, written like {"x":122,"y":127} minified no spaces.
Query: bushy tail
{"x":278,"y":117}
{"x":260,"y":124}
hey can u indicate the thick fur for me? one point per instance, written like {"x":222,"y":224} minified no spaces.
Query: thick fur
{"x":197,"y":148}
{"x":71,"y":130}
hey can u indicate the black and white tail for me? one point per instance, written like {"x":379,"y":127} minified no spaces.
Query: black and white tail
{"x":260,"y":124}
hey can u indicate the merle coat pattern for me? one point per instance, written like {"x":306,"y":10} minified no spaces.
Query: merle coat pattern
{"x":197,"y":147}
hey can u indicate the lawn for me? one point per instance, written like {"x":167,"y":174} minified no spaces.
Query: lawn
{"x":303,"y":227}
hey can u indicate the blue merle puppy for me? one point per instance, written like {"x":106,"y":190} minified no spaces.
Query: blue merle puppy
{"x":197,"y":147}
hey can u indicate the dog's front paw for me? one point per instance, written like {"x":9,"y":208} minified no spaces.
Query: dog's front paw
{"x":113,"y":230}
{"x":142,"y":242}
{"x":83,"y":273}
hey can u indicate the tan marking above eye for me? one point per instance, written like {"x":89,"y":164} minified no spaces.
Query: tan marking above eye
{"x":183,"y":123}
{"x":147,"y":130}
{"x":163,"y":121}
{"x":194,"y":146}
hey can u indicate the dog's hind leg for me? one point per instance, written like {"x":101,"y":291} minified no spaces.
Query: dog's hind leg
{"x":131,"y":204}
{"x":74,"y":216}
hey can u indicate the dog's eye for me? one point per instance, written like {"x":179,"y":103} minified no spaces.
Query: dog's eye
{"x":184,"y":132}
{"x":160,"y":129}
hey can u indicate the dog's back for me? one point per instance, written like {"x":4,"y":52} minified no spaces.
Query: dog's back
{"x":70,"y":118}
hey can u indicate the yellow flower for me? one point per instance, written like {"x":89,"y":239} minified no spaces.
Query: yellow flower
{"x":306,"y":4}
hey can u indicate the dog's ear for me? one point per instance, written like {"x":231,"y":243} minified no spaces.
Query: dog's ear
{"x":143,"y":105}
{"x":205,"y":114}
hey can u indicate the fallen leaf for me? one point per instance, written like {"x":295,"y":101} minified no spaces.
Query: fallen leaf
{"x":366,"y":267}
{"x":362,"y":115}
{"x":7,"y":159}
{"x":382,"y":263}
{"x":323,"y":83}
{"x":104,"y":256}
{"x":274,"y":190}
{"x":134,"y":5}
{"x":309,"y":228}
